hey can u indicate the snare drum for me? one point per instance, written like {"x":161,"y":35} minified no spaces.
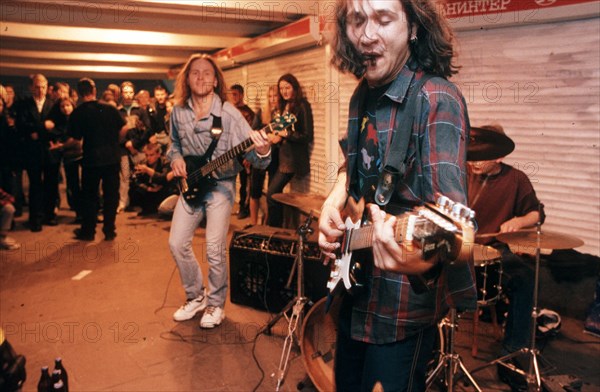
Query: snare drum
{"x":488,"y":274}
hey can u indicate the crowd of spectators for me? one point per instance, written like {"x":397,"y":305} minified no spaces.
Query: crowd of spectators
{"x":35,"y":140}
{"x":34,"y":130}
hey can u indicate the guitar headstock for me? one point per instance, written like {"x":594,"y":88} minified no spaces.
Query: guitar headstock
{"x":454,"y":218}
{"x":282,"y":122}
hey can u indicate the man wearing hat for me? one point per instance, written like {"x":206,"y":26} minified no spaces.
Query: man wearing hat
{"x":504,"y":201}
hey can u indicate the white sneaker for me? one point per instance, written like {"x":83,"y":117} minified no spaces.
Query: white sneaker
{"x":213,"y":316}
{"x":189,"y":309}
{"x":8,"y":243}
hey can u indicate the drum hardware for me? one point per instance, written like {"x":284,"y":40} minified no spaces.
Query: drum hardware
{"x":296,"y":305}
{"x":450,"y":362}
{"x":488,"y":272}
{"x":547,"y":240}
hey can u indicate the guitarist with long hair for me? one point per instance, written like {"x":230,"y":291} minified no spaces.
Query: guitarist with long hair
{"x":402,"y":53}
{"x":204,"y":126}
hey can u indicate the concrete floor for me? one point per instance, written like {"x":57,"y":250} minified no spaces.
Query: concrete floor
{"x":114,"y":330}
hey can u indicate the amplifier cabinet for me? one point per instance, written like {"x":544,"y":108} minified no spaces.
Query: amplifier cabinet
{"x":260,"y":262}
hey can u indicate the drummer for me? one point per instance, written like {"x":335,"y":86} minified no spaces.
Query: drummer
{"x":504,"y":200}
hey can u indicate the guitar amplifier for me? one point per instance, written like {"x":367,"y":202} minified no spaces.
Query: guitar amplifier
{"x":260,"y":262}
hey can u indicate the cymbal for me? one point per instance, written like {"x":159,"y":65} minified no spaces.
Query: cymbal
{"x":548,"y":239}
{"x":487,"y":145}
{"x":304,"y":202}
{"x":483,"y":254}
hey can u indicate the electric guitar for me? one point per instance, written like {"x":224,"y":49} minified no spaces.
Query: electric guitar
{"x":200,"y":168}
{"x":444,"y":228}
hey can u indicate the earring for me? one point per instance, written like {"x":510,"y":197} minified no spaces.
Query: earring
{"x":414,"y":40}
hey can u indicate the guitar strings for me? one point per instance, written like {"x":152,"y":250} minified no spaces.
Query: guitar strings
{"x":215,"y":164}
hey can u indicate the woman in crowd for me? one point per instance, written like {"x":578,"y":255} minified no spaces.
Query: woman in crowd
{"x":258,"y":175}
{"x":294,"y":151}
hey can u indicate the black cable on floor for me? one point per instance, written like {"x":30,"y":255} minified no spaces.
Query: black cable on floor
{"x":262,"y":372}
{"x":162,"y":306}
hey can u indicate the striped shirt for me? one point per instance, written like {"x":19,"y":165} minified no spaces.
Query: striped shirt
{"x":388,"y":310}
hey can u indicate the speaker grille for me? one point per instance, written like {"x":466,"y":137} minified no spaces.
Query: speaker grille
{"x":260,"y":262}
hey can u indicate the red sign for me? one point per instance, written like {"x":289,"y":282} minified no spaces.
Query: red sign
{"x":460,"y":8}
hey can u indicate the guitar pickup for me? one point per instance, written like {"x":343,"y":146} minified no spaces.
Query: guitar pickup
{"x":183,"y":185}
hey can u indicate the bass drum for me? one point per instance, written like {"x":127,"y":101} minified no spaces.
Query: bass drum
{"x":319,"y":332}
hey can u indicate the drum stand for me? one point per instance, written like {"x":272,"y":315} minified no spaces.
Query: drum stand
{"x":532,"y":376}
{"x":296,"y":304}
{"x":450,"y":361}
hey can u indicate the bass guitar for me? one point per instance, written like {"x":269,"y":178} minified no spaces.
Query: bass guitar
{"x":445,"y":228}
{"x":201,"y":168}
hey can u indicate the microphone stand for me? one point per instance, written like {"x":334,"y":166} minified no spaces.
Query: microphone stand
{"x":297,"y":304}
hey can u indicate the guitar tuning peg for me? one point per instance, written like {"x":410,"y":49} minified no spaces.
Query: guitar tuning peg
{"x":471,"y":215}
{"x":442,"y":201}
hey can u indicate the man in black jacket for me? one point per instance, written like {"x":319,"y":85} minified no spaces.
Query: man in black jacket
{"x":100,"y":126}
{"x":31,"y":114}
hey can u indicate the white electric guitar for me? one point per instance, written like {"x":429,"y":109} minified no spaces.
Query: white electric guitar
{"x":445,"y":227}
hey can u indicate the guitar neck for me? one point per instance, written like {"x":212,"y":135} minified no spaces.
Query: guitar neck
{"x":362,"y":238}
{"x":234,"y":152}
{"x":223,"y":159}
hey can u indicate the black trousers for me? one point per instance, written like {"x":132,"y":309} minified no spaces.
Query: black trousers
{"x":51,"y":171}
{"x":73,"y":185}
{"x":90,"y":182}
{"x":244,"y":200}
{"x":36,"y":197}
{"x":399,"y":366}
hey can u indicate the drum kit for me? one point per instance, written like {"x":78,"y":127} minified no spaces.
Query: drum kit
{"x":318,"y":331}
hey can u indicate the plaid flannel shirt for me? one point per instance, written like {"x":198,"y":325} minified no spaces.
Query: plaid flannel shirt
{"x":388,"y":310}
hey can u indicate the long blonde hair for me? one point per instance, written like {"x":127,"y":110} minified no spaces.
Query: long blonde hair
{"x":267,"y":115}
{"x":182,"y":88}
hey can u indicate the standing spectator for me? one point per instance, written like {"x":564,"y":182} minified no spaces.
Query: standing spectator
{"x":143,"y":99}
{"x":257,"y":178}
{"x":158,"y":117}
{"x":294,"y":150}
{"x":237,"y":98}
{"x":116,"y":90}
{"x":13,"y":156}
{"x":138,"y":126}
{"x":31,"y":114}
{"x":108,"y":97}
{"x":56,"y":126}
{"x":71,"y":156}
{"x":100,"y":127}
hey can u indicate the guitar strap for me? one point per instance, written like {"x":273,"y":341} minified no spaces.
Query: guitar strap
{"x":397,"y":145}
{"x":395,"y":168}
{"x":215,"y":132}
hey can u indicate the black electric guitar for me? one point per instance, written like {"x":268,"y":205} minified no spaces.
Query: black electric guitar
{"x":200,"y":168}
{"x":442,"y":228}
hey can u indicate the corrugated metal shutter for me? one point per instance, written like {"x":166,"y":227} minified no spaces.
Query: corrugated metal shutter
{"x":309,"y":67}
{"x":541,"y":83}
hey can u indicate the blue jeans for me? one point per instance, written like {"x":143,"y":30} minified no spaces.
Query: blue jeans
{"x":217,"y":209}
{"x":398,"y":366}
